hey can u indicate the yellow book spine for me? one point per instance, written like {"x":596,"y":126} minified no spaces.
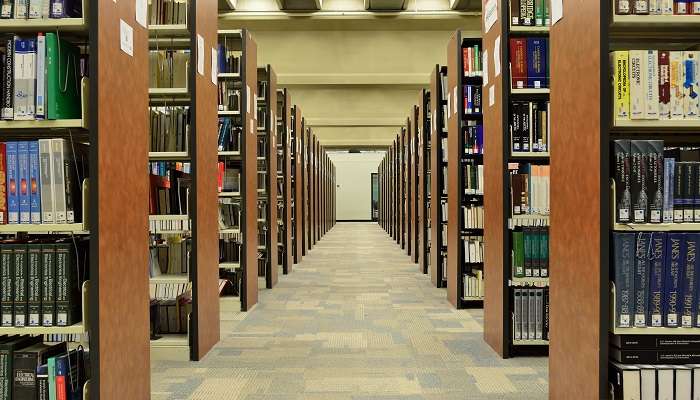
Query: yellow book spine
{"x":619,"y":61}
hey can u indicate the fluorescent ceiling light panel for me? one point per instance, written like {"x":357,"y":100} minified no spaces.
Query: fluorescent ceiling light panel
{"x":385,"y":5}
{"x":465,"y":5}
{"x":300,"y":5}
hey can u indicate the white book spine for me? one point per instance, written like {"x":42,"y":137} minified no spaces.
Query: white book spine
{"x":30,"y":77}
{"x":652,"y":85}
{"x":20,"y":108}
{"x":517,"y":335}
{"x":59,"y":183}
{"x":21,"y":9}
{"x":45,"y":170}
{"x":677,"y":81}
{"x":637,"y":84}
{"x":35,"y":7}
{"x":40,"y":81}
{"x":691,"y":105}
{"x":667,"y":7}
{"x":45,"y":8}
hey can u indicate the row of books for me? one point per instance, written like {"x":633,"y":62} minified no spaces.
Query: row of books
{"x":33,"y":370}
{"x":40,"y":9}
{"x":474,"y":178}
{"x":444,"y":149}
{"x":530,"y":252}
{"x":167,"y":12}
{"x":529,"y":62}
{"x":170,"y":307}
{"x":170,"y":255}
{"x":531,"y":314}
{"x":229,"y":59}
{"x":156,"y":225}
{"x":228,"y":178}
{"x":229,"y":213}
{"x":229,"y":251}
{"x":473,"y":284}
{"x":40,"y":282}
{"x":647,"y":381}
{"x":170,"y":191}
{"x":530,"y":12}
{"x":472,"y":99}
{"x":656,"y":279}
{"x":168,"y":68}
{"x":529,"y":126}
{"x":473,"y":216}
{"x":40,"y":77}
{"x":473,"y":249}
{"x":529,"y":188}
{"x":229,"y":136}
{"x":657,"y":7}
{"x":471,"y":59}
{"x":170,"y":128}
{"x":229,"y":95}
{"x":473,"y":137}
{"x":655,"y":84}
{"x":41,"y":181}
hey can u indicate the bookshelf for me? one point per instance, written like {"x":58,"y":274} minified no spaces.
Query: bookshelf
{"x":237,"y":79}
{"x":415,"y":156}
{"x":285,"y":177}
{"x":313,"y":176}
{"x":298,"y":191}
{"x":465,"y":235}
{"x":438,"y":170}
{"x":401,"y":157}
{"x":513,"y":159}
{"x":395,"y":185}
{"x":423,"y":175}
{"x":267,"y":175}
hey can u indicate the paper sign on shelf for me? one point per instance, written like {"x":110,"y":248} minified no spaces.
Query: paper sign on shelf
{"x":492,"y":95}
{"x":557,"y":10}
{"x":142,"y":12}
{"x":455,"y":102}
{"x":126,"y":38}
{"x":485,"y":67}
{"x":200,"y":54}
{"x":214,"y":66}
{"x":497,"y":57}
{"x":247,"y":99}
{"x":490,"y":14}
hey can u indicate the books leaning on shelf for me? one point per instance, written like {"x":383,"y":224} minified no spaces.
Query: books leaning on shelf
{"x":40,"y":282}
{"x":646,"y":381}
{"x":167,"y":12}
{"x":229,"y":59}
{"x":168,"y":68}
{"x":473,"y":137}
{"x":170,"y":129}
{"x":529,"y":63}
{"x":529,"y":12}
{"x":474,"y":284}
{"x":530,"y":252}
{"x":170,"y":185}
{"x":530,"y":314}
{"x":170,"y":255}
{"x":471,"y":59}
{"x":229,"y":250}
{"x":655,"y":84}
{"x":170,"y":307}
{"x":473,"y":178}
{"x":529,"y":187}
{"x":473,"y":217}
{"x":228,"y":178}
{"x":529,"y":126}
{"x":229,"y":137}
{"x":229,"y":95}
{"x":40,"y":9}
{"x":656,"y":279}
{"x":472,"y":99}
{"x":41,"y":78}
{"x":657,"y":7}
{"x":229,"y":214}
{"x":473,"y":249}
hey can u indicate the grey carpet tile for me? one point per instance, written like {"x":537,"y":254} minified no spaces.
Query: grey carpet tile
{"x":355,"y":320}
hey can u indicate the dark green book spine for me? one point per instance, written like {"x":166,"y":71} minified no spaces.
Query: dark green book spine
{"x":21,"y":274}
{"x":34,"y":284}
{"x":545,"y":252}
{"x":7,"y":286}
{"x":527,"y":239}
{"x":48,"y":288}
{"x":5,"y":374}
{"x":67,"y":288}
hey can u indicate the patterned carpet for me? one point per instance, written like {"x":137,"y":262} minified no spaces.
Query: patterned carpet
{"x":354,"y":321}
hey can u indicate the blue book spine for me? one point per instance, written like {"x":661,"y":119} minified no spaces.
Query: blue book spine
{"x":669,"y":172}
{"x":536,"y":63}
{"x":689,"y":309}
{"x":657,"y":257}
{"x":673,"y":283}
{"x":23,"y":176}
{"x":34,"y":183}
{"x":641,"y":279}
{"x":624,"y":278}
{"x":12,"y":184}
{"x":221,"y":53}
{"x":480,"y":138}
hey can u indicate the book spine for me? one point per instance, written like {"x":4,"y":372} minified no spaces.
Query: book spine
{"x":544,"y":252}
{"x":678,"y":192}
{"x":641,"y":7}
{"x":688,"y":191}
{"x":641,"y":283}
{"x":515,"y":12}
{"x":23,"y":179}
{"x":677,"y":81}
{"x":689,"y":309}
{"x":40,"y":76}
{"x":59,"y":187}
{"x":34,"y":183}
{"x":8,"y":80}
{"x":6,"y":10}
{"x":532,"y":314}
{"x":523,"y":13}
{"x":637,"y":83}
{"x":42,"y":384}
{"x":539,"y":13}
{"x":651,"y":85}
{"x":623,"y":196}
{"x":530,"y":15}
{"x":539,"y":311}
{"x":622,"y":7}
{"x":12,"y":183}
{"x":536,"y":63}
{"x":45,"y":165}
{"x":657,"y":257}
{"x":669,"y":169}
{"x":655,"y":180}
{"x":673,"y":284}
{"x":24,"y":375}
{"x":3,"y":184}
{"x":71,"y":184}
{"x":48,"y":287}
{"x":664,"y":85}
{"x":620,"y":80}
{"x":667,"y":7}
{"x":67,"y":286}
{"x":21,"y":287}
{"x":639,"y":188}
{"x":518,"y":62}
{"x":691,"y":103}
{"x":7,"y":286}
{"x":34,"y":283}
{"x":624,"y":277}
{"x":547,"y":14}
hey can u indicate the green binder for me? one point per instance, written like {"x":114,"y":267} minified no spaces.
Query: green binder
{"x":62,"y":79}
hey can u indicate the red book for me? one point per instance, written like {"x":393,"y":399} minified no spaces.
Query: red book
{"x":664,"y":85}
{"x":465,"y":59}
{"x":518,"y":63}
{"x":61,"y":387}
{"x":220,"y":176}
{"x":3,"y":184}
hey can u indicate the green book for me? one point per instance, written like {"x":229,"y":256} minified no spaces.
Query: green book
{"x":62,"y":78}
{"x":67,"y":286}
{"x":48,"y":287}
{"x":52,"y":377}
{"x":518,"y":255}
{"x":527,"y":239}
{"x":544,"y":250}
{"x":34,"y":280}
{"x":539,"y":12}
{"x":21,"y":287}
{"x":536,"y":257}
{"x":7,"y":286}
{"x":547,"y":17}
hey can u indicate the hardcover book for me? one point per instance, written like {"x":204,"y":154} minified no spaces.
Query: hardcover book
{"x":21,"y":285}
{"x":536,"y":63}
{"x":691,"y":271}
{"x":655,"y":179}
{"x":619,"y":61}
{"x":664,"y":85}
{"x":673,"y":284}
{"x":623,"y":191}
{"x":518,"y":62}
{"x":23,"y":179}
{"x":657,"y":257}
{"x":637,"y":65}
{"x":624,"y":247}
{"x":639,"y":188}
{"x":641,"y":279}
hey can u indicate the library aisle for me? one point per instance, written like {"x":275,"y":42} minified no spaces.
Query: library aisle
{"x":356,"y":320}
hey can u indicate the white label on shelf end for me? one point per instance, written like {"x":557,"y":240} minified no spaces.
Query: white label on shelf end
{"x":497,"y":57}
{"x":490,"y":14}
{"x":200,"y":54}
{"x":485,"y":67}
{"x":142,"y":12}
{"x":126,"y":38}
{"x":492,"y":95}
{"x":214,"y":67}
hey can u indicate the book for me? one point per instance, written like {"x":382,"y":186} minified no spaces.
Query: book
{"x":639,"y":190}
{"x":691,"y":100}
{"x":8,"y":91}
{"x":68,"y":303}
{"x":26,"y":361}
{"x":654,"y":154}
{"x":46,"y":181}
{"x":637,"y":79}
{"x":657,"y":257}
{"x":673,"y":284}
{"x":518,"y":62}
{"x":691,"y":271}
{"x":48,"y":287}
{"x":624,"y":245}
{"x":62,"y":83}
{"x":622,"y":7}
{"x":34,"y":284}
{"x":34,"y":183}
{"x":7,"y":349}
{"x":40,"y":94}
{"x":7,"y":8}
{"x":655,"y":342}
{"x":623,"y":193}
{"x":7,"y":284}
{"x":23,"y":180}
{"x":619,"y":61}
{"x":20,"y":265}
{"x":641,"y":279}
{"x":42,"y":382}
{"x":668,"y":196}
{"x":677,"y":83}
{"x":59,"y":180}
{"x":3,"y":184}
{"x":651,"y":75}
{"x":638,"y":356}
{"x":664,"y":85}
{"x":625,"y":381}
{"x":12,"y":182}
{"x":536,"y":63}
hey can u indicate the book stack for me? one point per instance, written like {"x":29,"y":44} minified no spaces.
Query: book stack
{"x":229,"y":178}
{"x":41,"y":78}
{"x":472,"y":99}
{"x":170,"y":129}
{"x":473,"y":137}
{"x":170,"y":255}
{"x":158,"y":224}
{"x":529,"y":186}
{"x":40,"y":9}
{"x":471,"y":59}
{"x":168,"y":69}
{"x":170,"y":306}
{"x":229,"y":60}
{"x":40,"y":282}
{"x":529,"y":126}
{"x":530,"y":314}
{"x":473,"y":216}
{"x":170,"y":188}
{"x":473,"y":249}
{"x":229,"y":136}
{"x":657,"y":7}
{"x":646,"y":381}
{"x":530,"y":256}
{"x":229,"y":251}
{"x":167,"y":12}
{"x":655,"y":84}
{"x":530,"y":12}
{"x":229,"y":95}
{"x":229,"y":214}
{"x":529,"y":63}
{"x":473,"y":178}
{"x":473,"y":284}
